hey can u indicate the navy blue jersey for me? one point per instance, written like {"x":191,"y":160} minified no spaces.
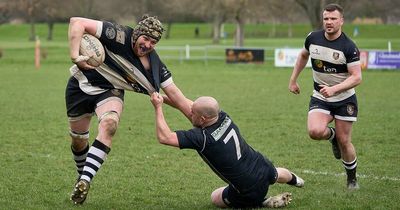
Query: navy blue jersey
{"x":122,"y":69}
{"x":226,"y":152}
{"x":330,"y":60}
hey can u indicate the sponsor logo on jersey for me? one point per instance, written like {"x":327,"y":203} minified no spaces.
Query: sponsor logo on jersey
{"x":316,"y":52}
{"x":120,"y":36}
{"x":217,"y":134}
{"x":330,"y":70}
{"x":318,"y":63}
{"x":110,"y":33}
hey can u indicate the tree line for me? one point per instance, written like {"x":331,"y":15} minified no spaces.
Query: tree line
{"x":215,"y":12}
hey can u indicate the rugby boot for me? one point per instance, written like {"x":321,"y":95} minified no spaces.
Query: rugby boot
{"x":352,"y":180}
{"x":278,"y":201}
{"x":80,"y":192}
{"x":299,"y":181}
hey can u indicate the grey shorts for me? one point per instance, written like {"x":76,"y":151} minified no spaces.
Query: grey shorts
{"x":345,"y":110}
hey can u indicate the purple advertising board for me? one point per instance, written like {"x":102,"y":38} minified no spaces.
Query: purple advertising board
{"x":383,"y":60}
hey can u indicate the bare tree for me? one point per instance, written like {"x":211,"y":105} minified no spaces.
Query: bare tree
{"x":169,"y":13}
{"x":275,"y":8}
{"x":313,"y":11}
{"x":222,"y":10}
{"x":240,"y":11}
{"x":52,"y":11}
{"x":5,"y":12}
{"x":215,"y":12}
{"x":384,"y":9}
{"x":29,"y":10}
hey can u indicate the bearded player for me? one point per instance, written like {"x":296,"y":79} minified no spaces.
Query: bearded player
{"x":131,"y":63}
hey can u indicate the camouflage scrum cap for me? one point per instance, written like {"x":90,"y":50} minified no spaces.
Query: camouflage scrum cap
{"x":149,"y":26}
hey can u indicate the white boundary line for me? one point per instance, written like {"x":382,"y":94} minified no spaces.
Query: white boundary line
{"x":307,"y":171}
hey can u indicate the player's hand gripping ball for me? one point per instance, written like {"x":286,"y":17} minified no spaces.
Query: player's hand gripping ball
{"x":90,"y":46}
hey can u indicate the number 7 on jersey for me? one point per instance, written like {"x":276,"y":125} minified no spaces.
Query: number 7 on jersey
{"x":228,"y":137}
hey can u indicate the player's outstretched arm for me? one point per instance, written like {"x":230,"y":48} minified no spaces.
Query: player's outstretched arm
{"x":176,"y":99}
{"x":164,"y":133}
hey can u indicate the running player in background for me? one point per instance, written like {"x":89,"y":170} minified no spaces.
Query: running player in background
{"x":336,"y":69}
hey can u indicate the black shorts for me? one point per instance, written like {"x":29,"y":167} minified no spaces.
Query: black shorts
{"x":345,"y":110}
{"x":253,"y":197}
{"x":80,"y":104}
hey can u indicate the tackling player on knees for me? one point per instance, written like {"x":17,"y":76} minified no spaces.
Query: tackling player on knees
{"x":218,"y":141}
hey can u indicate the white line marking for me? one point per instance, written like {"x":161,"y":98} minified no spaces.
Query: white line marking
{"x":307,"y":171}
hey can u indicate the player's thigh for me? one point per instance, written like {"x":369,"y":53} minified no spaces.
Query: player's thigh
{"x":318,"y":120}
{"x":112,"y":105}
{"x":319,"y":116}
{"x":80,"y":126}
{"x":111,"y":101}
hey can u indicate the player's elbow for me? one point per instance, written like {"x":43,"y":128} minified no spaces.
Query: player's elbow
{"x":78,"y":22}
{"x":168,"y":139}
{"x":162,"y":139}
{"x":74,"y":20}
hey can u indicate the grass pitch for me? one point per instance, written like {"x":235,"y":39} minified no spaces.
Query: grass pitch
{"x":38,"y":172}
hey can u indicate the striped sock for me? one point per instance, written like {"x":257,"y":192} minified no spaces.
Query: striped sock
{"x":293,"y":181}
{"x":80,"y":158}
{"x":95,"y":158}
{"x":332,"y":137}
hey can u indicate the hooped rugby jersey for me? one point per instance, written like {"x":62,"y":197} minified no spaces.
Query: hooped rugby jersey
{"x":330,"y":60}
{"x":226,"y":152}
{"x":121,"y":69}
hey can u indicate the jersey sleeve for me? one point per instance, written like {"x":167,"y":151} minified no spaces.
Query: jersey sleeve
{"x":307,"y":42}
{"x":166,"y":76}
{"x":191,"y":139}
{"x":352,"y":54}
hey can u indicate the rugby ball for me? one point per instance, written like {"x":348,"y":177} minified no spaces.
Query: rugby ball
{"x":92,"y":47}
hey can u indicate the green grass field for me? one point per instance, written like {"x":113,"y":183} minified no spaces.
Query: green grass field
{"x":37,"y":171}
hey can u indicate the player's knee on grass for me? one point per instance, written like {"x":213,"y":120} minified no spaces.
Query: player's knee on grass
{"x":108,"y":122}
{"x":216,"y":198}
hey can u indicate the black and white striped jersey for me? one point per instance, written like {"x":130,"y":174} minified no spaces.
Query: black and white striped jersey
{"x":226,"y":152}
{"x":121,"y":69}
{"x":330,"y":60}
